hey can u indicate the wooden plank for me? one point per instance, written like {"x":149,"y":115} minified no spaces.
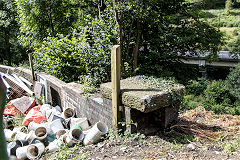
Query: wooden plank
{"x":18,"y":79}
{"x":26,"y":81}
{"x":115,"y":69}
{"x":24,"y":87}
{"x":31,"y":65}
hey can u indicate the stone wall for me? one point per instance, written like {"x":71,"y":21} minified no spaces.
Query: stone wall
{"x":67,"y":95}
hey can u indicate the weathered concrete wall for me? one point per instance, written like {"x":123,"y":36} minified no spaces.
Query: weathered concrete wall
{"x":70,"y":95}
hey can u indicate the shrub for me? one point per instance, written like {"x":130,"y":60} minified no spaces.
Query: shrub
{"x":191,"y":102}
{"x":233,"y":82}
{"x":69,"y":58}
{"x":217,"y":93}
{"x":86,"y":53}
{"x":196,"y":87}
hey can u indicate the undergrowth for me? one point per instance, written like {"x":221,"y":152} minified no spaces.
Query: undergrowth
{"x":66,"y":152}
{"x":219,"y":96}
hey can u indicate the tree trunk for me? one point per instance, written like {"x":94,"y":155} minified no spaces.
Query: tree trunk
{"x":99,"y":10}
{"x":50,"y":20}
{"x":120,"y":29}
{"x":136,"y":49}
{"x":8,"y":47}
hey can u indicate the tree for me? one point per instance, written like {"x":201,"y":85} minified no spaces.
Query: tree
{"x":156,"y":31}
{"x":42,"y":18}
{"x":151,"y":33}
{"x":10,"y":48}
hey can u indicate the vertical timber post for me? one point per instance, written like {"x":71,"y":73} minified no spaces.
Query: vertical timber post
{"x":31,"y":65}
{"x":115,"y":74}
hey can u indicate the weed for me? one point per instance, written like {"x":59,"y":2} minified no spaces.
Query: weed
{"x":176,"y":146}
{"x":125,"y":135}
{"x":18,"y":119}
{"x":68,"y":153}
{"x":233,"y":146}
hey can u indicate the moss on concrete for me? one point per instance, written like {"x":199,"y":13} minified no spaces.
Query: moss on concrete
{"x":146,"y":93}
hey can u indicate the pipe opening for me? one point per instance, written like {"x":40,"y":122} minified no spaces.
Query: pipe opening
{"x":33,"y":150}
{"x":69,"y":113}
{"x":76,"y":134}
{"x":41,"y":132}
{"x":102,"y":127}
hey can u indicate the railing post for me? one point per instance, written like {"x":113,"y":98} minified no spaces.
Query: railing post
{"x":115,"y":74}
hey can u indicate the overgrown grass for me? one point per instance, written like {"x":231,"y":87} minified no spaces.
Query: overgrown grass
{"x":221,"y":17}
{"x":226,"y":21}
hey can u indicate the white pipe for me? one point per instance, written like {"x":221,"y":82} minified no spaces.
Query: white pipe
{"x":68,"y":113}
{"x":41,"y":133}
{"x":35,"y":150}
{"x":61,"y":132}
{"x":20,"y":129}
{"x":32,"y":126}
{"x":82,"y":122}
{"x":95,"y":133}
{"x":53,"y":146}
{"x":21,"y":136}
{"x":8,"y":134}
{"x":18,"y":79}
{"x":21,"y":152}
{"x":74,"y":136}
{"x":31,"y":135}
{"x":56,"y":125}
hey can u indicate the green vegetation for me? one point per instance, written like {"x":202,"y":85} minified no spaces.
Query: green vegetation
{"x":72,"y":39}
{"x":233,"y":146}
{"x":68,"y":153}
{"x":220,"y":96}
{"x":228,"y":22}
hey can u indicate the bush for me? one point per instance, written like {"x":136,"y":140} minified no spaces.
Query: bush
{"x":196,"y":87}
{"x":216,"y":97}
{"x":69,"y":58}
{"x":217,"y":93}
{"x":87,"y":53}
{"x":191,"y":102}
{"x":233,"y":82}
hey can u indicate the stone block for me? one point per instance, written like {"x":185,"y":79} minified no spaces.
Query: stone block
{"x":145,"y":97}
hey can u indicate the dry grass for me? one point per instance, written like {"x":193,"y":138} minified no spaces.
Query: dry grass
{"x":207,"y":125}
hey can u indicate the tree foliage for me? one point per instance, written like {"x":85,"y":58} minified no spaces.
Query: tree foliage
{"x":10,"y":48}
{"x":233,"y":82}
{"x":72,"y":58}
{"x":154,"y":33}
{"x":39,"y":19}
{"x":70,"y":35}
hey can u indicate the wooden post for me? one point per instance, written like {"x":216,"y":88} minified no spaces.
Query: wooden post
{"x":115,"y":69}
{"x":31,"y":65}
